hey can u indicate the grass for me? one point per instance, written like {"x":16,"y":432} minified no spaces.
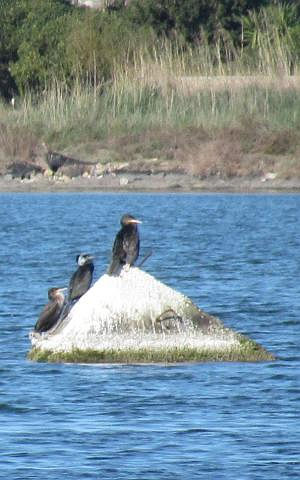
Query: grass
{"x":209,"y":131}
{"x":245,"y":351}
{"x":133,"y":107}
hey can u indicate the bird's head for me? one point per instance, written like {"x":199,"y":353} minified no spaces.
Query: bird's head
{"x":56,"y":292}
{"x":129,"y":219}
{"x":83,"y":259}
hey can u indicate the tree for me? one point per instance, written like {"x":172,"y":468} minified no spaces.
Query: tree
{"x":191,"y":17}
{"x":32,"y":41}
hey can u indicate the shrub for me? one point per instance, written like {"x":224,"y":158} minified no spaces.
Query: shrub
{"x":32,"y":41}
{"x":272,"y":37}
{"x":101,"y":42}
{"x":189,"y":18}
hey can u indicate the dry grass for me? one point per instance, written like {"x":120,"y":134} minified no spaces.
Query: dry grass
{"x":191,"y":84}
{"x":249,"y":150}
{"x":18,"y":144}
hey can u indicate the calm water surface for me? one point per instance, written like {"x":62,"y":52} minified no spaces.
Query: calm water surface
{"x":236,"y":256}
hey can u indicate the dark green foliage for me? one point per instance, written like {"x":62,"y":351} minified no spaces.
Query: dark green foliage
{"x":32,"y":42}
{"x":174,"y":18}
{"x":189,"y":19}
{"x":99,"y":41}
{"x":42,"y":42}
{"x":230,"y":12}
{"x":8,"y":87}
{"x":9,"y":20}
{"x":51,"y":40}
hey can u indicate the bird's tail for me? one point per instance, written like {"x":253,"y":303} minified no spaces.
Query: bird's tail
{"x":145,"y":258}
{"x":63,"y":315}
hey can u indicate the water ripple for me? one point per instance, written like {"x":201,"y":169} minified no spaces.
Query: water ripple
{"x":235,"y":256}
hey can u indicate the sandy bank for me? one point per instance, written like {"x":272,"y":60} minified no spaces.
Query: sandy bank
{"x":160,"y":182}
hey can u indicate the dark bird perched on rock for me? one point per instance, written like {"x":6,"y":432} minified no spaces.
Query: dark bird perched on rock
{"x":62,"y":164}
{"x":52,"y":311}
{"x":56,"y":160}
{"x":81,"y":280}
{"x":126,"y":245}
{"x":23,"y":170}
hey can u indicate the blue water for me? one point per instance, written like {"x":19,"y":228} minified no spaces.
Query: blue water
{"x":236,"y":256}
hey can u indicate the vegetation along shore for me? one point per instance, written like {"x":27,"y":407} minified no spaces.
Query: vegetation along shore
{"x":147,"y":95}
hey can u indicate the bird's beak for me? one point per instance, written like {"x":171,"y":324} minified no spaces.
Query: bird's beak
{"x":64,"y":289}
{"x":134,"y":220}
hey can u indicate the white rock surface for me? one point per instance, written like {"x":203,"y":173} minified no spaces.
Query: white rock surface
{"x":134,"y":310}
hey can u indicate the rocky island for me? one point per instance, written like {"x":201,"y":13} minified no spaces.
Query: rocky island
{"x":134,"y":318}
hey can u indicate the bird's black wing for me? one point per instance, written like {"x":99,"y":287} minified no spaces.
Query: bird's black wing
{"x":118,"y":254}
{"x":80,"y":282}
{"x":72,"y":285}
{"x":48,"y":317}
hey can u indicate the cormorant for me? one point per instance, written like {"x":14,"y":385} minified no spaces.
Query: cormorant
{"x":81,"y":279}
{"x":79,"y":284}
{"x":51,"y":312}
{"x":126,"y":245}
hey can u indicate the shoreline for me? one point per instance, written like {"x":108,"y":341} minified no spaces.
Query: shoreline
{"x":154,"y":183}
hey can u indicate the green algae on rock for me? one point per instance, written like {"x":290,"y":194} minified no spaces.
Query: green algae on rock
{"x":134,"y":318}
{"x":240,"y":353}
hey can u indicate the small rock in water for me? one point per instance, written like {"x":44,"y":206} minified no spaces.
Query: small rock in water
{"x":135,"y":316}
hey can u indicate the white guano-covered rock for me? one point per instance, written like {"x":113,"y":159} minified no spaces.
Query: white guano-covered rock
{"x":134,"y":310}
